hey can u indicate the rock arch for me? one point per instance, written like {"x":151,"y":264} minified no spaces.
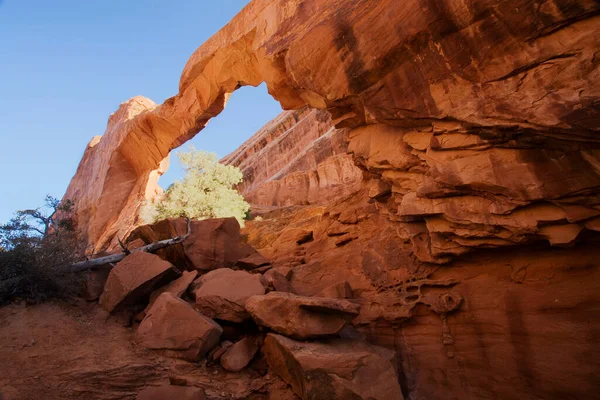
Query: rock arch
{"x":428,"y":87}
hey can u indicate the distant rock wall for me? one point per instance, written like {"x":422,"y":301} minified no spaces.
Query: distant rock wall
{"x":298,"y":158}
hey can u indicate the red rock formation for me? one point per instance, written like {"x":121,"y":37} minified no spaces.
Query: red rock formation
{"x":476,"y":126}
{"x":298,"y":158}
{"x":174,"y":327}
{"x":431,"y":78}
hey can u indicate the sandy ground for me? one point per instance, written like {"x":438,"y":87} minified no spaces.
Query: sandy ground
{"x":75,"y":351}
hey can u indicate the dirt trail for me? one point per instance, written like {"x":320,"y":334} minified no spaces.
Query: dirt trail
{"x":73,"y":351}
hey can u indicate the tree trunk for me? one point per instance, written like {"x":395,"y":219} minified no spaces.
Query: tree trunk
{"x":114,"y":258}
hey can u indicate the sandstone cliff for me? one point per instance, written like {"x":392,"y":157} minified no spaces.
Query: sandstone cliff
{"x":444,"y":81}
{"x":298,"y":158}
{"x":475,"y":124}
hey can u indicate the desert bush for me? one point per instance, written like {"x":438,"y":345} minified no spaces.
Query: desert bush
{"x":206,"y":191}
{"x":35,"y":244}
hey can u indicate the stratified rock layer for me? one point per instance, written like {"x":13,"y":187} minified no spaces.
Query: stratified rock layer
{"x":492,"y":105}
{"x":298,"y":158}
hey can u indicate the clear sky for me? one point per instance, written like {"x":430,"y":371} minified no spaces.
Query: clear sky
{"x":66,"y":65}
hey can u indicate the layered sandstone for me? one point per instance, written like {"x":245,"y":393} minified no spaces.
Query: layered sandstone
{"x":298,"y":158}
{"x":508,"y":76}
{"x":490,"y":324}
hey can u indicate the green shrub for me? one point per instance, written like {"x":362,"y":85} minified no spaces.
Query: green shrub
{"x":34,"y":246}
{"x":206,"y":191}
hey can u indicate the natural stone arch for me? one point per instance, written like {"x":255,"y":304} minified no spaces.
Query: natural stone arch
{"x":420,"y":70}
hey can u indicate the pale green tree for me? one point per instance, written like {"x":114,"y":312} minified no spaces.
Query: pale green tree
{"x":206,"y":191}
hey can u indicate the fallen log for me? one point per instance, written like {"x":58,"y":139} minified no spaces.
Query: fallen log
{"x":114,"y":258}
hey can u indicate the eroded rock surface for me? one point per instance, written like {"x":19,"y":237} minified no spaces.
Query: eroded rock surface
{"x":301,"y":317}
{"x":335,"y":369}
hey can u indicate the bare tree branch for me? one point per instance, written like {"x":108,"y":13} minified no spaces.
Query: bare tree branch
{"x":123,"y":247}
{"x":114,"y":258}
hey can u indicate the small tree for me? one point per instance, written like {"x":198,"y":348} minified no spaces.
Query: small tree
{"x":39,"y":221}
{"x":206,"y":191}
{"x":32,"y":245}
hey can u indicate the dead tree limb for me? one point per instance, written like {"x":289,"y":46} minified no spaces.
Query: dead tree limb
{"x":114,"y":258}
{"x":123,"y":247}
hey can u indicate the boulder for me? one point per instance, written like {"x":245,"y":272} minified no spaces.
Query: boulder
{"x":134,"y":278}
{"x":253,"y":261}
{"x":285,"y":271}
{"x":341,"y":290}
{"x":94,"y":281}
{"x":219,"y":350}
{"x":301,"y":317}
{"x":334,"y":369}
{"x":212,"y":243}
{"x":177,"y":287}
{"x":222,"y":293}
{"x":169,"y":392}
{"x":173,"y":326}
{"x":239,"y":355}
{"x":278,"y":282}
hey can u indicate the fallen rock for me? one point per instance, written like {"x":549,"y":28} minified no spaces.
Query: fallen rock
{"x":278,"y":282}
{"x":239,"y":355}
{"x":219,"y":350}
{"x":334,"y":369}
{"x":222,"y":293}
{"x":169,"y":392}
{"x":173,"y":325}
{"x":134,"y":278}
{"x":177,"y":287}
{"x":341,"y":290}
{"x":213,"y":243}
{"x":301,"y":317}
{"x":253,"y":261}
{"x":94,"y":282}
{"x":285,"y":271}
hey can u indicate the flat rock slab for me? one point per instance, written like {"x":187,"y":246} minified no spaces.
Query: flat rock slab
{"x":169,"y":392}
{"x":222,"y":293}
{"x":239,"y":355}
{"x":301,"y":317}
{"x":174,"y":326}
{"x":334,"y":369}
{"x":134,"y":278}
{"x":253,"y":261}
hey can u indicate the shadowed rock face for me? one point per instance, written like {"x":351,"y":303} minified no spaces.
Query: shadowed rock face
{"x":497,"y":100}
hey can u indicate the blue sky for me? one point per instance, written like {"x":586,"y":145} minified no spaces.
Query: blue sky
{"x":66,"y":65}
